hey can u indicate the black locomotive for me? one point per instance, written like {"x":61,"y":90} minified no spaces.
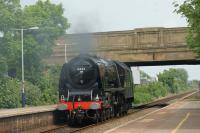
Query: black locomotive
{"x":94,"y":88}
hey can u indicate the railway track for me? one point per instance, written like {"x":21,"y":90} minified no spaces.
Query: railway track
{"x":91,"y":127}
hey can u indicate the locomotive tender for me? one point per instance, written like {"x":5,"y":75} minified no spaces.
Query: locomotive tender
{"x":94,"y":88}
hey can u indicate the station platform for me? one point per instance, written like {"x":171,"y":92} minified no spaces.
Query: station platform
{"x":24,"y":119}
{"x":180,"y":117}
{"x":27,"y":110}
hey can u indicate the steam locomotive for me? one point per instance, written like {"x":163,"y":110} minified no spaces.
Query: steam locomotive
{"x":94,"y":88}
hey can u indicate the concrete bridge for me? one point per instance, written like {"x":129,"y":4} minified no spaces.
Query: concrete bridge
{"x":144,"y":46}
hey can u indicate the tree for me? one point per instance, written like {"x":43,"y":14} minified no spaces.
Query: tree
{"x":175,"y":79}
{"x":49,"y":17}
{"x":37,"y":43}
{"x":9,"y":12}
{"x":191,"y":10}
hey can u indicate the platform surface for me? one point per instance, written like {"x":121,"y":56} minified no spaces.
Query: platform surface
{"x":27,"y":110}
{"x":181,"y":117}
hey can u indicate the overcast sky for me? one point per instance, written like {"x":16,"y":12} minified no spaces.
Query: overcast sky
{"x":116,"y":15}
{"x":107,"y":15}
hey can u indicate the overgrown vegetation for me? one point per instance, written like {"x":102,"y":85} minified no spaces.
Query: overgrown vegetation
{"x":147,"y":92}
{"x":175,"y":80}
{"x":44,"y":92}
{"x":171,"y":81}
{"x":11,"y":91}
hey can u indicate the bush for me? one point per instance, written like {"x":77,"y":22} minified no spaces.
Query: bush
{"x":142,"y":98}
{"x":33,"y":95}
{"x":157,"y":89}
{"x":10,"y":96}
{"x":48,"y":83}
{"x":43,"y":91}
{"x":10,"y":93}
{"x":148,"y":92}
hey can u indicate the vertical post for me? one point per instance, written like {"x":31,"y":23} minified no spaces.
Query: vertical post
{"x":199,"y":86}
{"x":65,"y":53}
{"x":23,"y":92}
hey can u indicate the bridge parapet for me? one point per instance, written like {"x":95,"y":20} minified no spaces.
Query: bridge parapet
{"x":141,"y":44}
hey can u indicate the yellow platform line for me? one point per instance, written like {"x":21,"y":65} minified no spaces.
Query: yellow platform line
{"x":181,"y":123}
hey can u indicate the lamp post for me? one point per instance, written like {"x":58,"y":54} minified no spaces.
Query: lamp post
{"x":65,"y":53}
{"x":22,"y":47}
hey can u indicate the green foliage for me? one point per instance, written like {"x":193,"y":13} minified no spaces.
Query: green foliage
{"x":33,"y":94}
{"x":10,"y":96}
{"x":196,"y":97}
{"x":194,"y":84}
{"x":10,"y":93}
{"x":142,"y":97}
{"x":48,"y":84}
{"x":3,"y":66}
{"x":37,"y":43}
{"x":170,"y":81}
{"x":148,"y":92}
{"x":9,"y":19}
{"x":41,"y":81}
{"x":44,"y":92}
{"x":191,"y":10}
{"x":174,"y":79}
{"x":157,"y":89}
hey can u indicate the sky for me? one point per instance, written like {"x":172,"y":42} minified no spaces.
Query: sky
{"x":118,"y":15}
{"x":114,"y":15}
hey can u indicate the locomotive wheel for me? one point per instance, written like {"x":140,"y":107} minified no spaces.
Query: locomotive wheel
{"x":116,"y":111}
{"x":121,"y":112}
{"x":115,"y":114}
{"x":71,"y":122}
{"x":126,"y":112}
{"x":79,"y":121}
{"x":112,"y":112}
{"x":96,"y":119}
{"x":101,"y":118}
{"x":109,"y":113}
{"x":104,"y":115}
